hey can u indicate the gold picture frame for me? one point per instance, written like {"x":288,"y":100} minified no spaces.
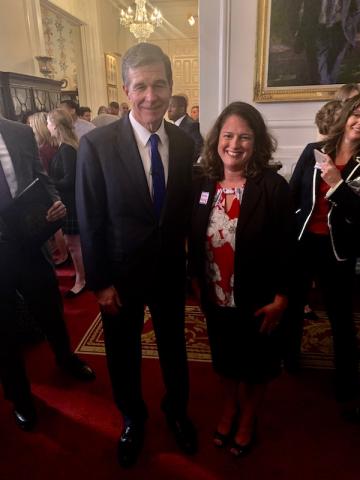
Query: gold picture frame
{"x":281,"y":82}
{"x":111,"y":68}
{"x":112,"y":93}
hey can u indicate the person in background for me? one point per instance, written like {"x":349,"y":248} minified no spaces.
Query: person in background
{"x":24,"y":117}
{"x":102,"y":109}
{"x":48,"y":146}
{"x":103,"y":117}
{"x":62,"y":171}
{"x":133,"y":188}
{"x":114,"y":108}
{"x":194,"y":113}
{"x":241,"y":249}
{"x":80,"y":126}
{"x":85,"y":113}
{"x":326,"y":118}
{"x":327,"y":201}
{"x":177,"y":114}
{"x":347,"y":91}
{"x":30,"y":273}
{"x":124,"y":109}
{"x":325,"y":30}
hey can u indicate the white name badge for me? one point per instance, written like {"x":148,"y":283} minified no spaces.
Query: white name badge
{"x":204,"y":198}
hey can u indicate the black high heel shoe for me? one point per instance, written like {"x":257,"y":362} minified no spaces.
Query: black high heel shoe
{"x":240,"y":449}
{"x":220,"y":440}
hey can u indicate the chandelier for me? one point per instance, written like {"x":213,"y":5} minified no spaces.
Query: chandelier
{"x":140,"y":24}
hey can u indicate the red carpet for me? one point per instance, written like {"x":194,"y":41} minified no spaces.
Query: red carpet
{"x":300,"y":433}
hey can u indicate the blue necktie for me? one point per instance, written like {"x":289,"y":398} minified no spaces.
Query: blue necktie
{"x":157,"y":174}
{"x":5,"y":194}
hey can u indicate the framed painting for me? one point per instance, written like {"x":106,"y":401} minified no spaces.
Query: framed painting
{"x":111,"y":69}
{"x":112,"y":93}
{"x":306,"y":51}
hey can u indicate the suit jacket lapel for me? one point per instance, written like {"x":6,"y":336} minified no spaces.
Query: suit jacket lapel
{"x":131,"y":159}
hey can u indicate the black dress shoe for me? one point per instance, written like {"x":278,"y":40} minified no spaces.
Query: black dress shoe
{"x":25,"y":416}
{"x":310,"y":315}
{"x":351,"y":415}
{"x":130,"y":444}
{"x":184,"y":432}
{"x":72,"y":294}
{"x":77,"y":368}
{"x":67,"y":261}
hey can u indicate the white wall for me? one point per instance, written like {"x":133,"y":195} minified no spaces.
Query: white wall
{"x":227,"y":68}
{"x":21,"y":39}
{"x":15,"y":31}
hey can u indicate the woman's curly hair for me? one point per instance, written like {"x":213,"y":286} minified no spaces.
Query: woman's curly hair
{"x":264,"y":143}
{"x":337,"y":131}
{"x":326,"y":117}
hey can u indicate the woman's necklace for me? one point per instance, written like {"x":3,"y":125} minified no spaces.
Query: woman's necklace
{"x":236,"y":191}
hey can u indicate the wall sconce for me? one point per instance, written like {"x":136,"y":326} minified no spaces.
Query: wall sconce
{"x":45,"y":65}
{"x":191,"y":20}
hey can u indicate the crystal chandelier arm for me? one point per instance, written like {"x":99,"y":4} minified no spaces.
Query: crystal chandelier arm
{"x":140,"y":24}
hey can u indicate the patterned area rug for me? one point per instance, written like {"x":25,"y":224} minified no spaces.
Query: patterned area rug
{"x":195,"y":330}
{"x":317,"y":350}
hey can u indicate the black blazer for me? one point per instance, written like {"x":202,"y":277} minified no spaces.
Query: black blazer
{"x":62,"y":171}
{"x":22,"y":148}
{"x":20,"y":142}
{"x":344,"y":215}
{"x":265,"y":239}
{"x":193,"y":129}
{"x":122,"y":240}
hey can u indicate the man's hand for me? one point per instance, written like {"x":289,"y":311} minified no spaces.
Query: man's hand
{"x":109,"y":300}
{"x":56,"y":211}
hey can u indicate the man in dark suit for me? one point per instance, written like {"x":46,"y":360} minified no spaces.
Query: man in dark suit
{"x":28,"y":272}
{"x":134,"y":199}
{"x":177,"y":114}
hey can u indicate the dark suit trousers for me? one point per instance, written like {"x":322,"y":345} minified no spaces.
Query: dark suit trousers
{"x":33,"y":276}
{"x":335,"y":281}
{"x":123,"y":349}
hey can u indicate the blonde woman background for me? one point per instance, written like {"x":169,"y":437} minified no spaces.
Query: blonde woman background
{"x":48,"y":146}
{"x":62,"y":170}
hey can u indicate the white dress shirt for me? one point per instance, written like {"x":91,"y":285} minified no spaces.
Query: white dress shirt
{"x":179,"y":120}
{"x":8,"y":167}
{"x":142,"y":137}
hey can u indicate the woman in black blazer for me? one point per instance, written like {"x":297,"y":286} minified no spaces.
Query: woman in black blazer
{"x":62,"y":170}
{"x":240,"y":254}
{"x":327,"y":202}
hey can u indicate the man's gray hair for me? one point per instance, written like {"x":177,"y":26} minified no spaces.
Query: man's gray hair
{"x":145,"y":54}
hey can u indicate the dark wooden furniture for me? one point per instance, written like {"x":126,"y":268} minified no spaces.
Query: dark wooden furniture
{"x":70,"y":95}
{"x":23,"y":93}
